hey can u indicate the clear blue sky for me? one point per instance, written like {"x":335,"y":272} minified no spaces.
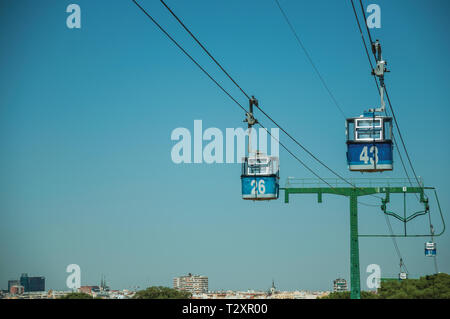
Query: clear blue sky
{"x":86,"y":117}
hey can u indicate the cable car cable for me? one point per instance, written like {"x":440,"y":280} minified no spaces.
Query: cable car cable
{"x":364,"y":42}
{"x":309,"y":58}
{"x":432,"y":240}
{"x":364,"y":15}
{"x":187,"y":54}
{"x":401,"y":139}
{"x":204,"y":48}
{"x":394,"y":241}
{"x":293,"y":155}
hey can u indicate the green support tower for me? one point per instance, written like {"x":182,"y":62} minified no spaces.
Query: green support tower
{"x":373,"y":187}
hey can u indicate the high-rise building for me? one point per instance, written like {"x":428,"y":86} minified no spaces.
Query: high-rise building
{"x":192,"y":283}
{"x":339,"y":285}
{"x":36,"y":284}
{"x":24,"y":281}
{"x":31,"y":284}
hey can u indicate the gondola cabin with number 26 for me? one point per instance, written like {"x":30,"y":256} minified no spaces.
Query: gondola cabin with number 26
{"x":369,"y":143}
{"x":260,"y":172}
{"x":260,"y":177}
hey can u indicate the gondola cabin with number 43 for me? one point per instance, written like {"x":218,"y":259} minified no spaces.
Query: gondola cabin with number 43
{"x":260,"y":177}
{"x":369,"y":143}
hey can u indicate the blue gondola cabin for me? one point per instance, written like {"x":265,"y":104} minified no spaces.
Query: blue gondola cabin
{"x":369,"y":143}
{"x":430,"y":249}
{"x":260,"y":177}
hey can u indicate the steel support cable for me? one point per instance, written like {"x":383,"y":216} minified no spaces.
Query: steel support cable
{"x":187,"y":54}
{"x":309,"y":58}
{"x":406,"y":172}
{"x":204,"y":48}
{"x":293,"y":155}
{"x":367,"y":27}
{"x":435,"y":264}
{"x":432,"y":239}
{"x":394,"y":241}
{"x":368,"y":205}
{"x":364,"y":43}
{"x":401,"y":138}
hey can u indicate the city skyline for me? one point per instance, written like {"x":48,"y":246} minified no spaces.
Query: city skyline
{"x":103,"y":282}
{"x":195,"y":284}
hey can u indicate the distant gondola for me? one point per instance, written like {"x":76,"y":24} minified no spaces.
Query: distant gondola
{"x":430,"y":249}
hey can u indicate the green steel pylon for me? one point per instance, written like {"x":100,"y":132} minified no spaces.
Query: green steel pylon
{"x":309,"y":186}
{"x":355,"y":281}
